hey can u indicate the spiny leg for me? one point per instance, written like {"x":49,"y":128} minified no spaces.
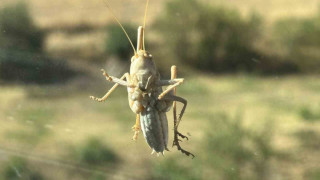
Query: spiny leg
{"x":174,"y":106}
{"x":175,"y":121}
{"x":174,"y":91}
{"x":174,"y":83}
{"x":126,"y":75}
{"x":175,"y":98}
{"x":136,"y":128}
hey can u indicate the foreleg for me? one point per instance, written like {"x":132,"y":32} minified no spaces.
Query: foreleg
{"x":117,"y":80}
{"x":110,"y":78}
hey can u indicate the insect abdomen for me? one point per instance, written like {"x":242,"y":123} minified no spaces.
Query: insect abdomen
{"x":154,"y":126}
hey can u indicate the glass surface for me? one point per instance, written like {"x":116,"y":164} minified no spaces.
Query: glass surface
{"x":251,"y":78}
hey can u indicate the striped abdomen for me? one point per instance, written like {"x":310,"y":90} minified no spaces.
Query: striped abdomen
{"x":154,"y":125}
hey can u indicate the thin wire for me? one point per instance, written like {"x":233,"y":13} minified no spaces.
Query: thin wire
{"x":114,"y":16}
{"x":144,"y":22}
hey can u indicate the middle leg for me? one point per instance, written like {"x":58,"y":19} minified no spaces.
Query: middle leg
{"x":136,"y":128}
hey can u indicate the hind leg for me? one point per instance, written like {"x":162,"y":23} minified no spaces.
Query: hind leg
{"x":173,"y":84}
{"x":176,"y":121}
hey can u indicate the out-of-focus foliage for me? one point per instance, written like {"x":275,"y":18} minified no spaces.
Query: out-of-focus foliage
{"x":209,"y":38}
{"x":170,"y":169}
{"x":117,"y":43}
{"x":300,"y":41}
{"x":44,"y":123}
{"x":309,"y":114}
{"x":18,"y":31}
{"x":94,"y":152}
{"x":239,"y":153}
{"x":18,"y":168}
{"x":33,"y":134}
{"x":97,"y":177}
{"x":232,"y":152}
{"x":32,"y":68}
{"x":308,"y":139}
{"x":21,"y":44}
{"x":219,"y":39}
{"x":313,"y":174}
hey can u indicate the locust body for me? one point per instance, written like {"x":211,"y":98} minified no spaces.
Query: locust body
{"x":148,"y":100}
{"x":143,"y":98}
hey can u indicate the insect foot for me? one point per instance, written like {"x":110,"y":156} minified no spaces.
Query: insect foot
{"x":183,"y":136}
{"x":176,"y":143}
{"x":136,"y":132}
{"x":96,"y":99}
{"x":104,"y":73}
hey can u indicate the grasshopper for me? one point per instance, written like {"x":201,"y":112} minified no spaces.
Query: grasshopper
{"x":146,"y":97}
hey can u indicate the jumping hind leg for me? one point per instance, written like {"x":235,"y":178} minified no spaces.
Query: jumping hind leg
{"x":176,"y":121}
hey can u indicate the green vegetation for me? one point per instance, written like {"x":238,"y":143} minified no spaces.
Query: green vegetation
{"x":21,"y":46}
{"x":17,"y":66}
{"x":18,"y":168}
{"x":18,"y":31}
{"x":220,"y":39}
{"x":299,"y":39}
{"x":309,"y":115}
{"x":240,"y":127}
{"x":171,"y":169}
{"x":209,"y":38}
{"x":97,"y":177}
{"x":237,"y":152}
{"x":237,"y":131}
{"x":117,"y":43}
{"x":308,"y":139}
{"x":313,"y":174}
{"x":94,"y":152}
{"x":32,"y":125}
{"x":232,"y":151}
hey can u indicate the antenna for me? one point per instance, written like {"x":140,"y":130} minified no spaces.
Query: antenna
{"x":144,"y":21}
{"x":145,"y":15}
{"x":116,"y":19}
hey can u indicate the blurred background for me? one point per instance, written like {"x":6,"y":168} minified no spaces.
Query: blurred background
{"x":251,"y":70}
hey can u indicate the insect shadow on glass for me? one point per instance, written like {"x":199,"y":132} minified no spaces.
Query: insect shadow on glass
{"x":146,"y":97}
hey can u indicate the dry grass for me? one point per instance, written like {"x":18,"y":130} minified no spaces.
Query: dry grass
{"x":77,"y":46}
{"x":60,"y":16}
{"x":60,"y":13}
{"x":274,"y":9}
{"x":72,"y":12}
